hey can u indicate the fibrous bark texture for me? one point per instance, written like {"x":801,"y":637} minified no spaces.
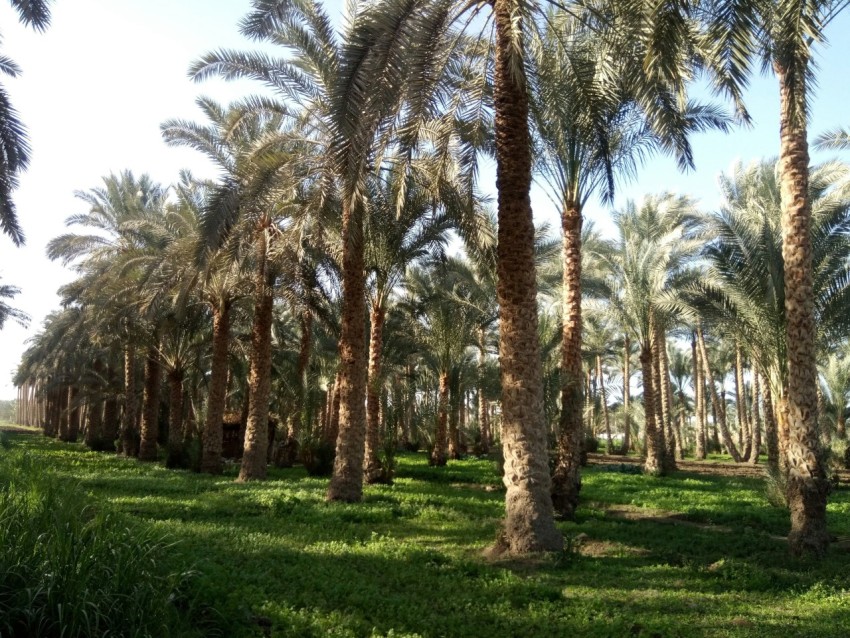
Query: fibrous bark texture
{"x":807,"y":484}
{"x":347,"y":480}
{"x":529,"y":524}
{"x":566,"y":478}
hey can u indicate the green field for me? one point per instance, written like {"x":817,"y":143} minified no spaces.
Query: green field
{"x":686,"y":555}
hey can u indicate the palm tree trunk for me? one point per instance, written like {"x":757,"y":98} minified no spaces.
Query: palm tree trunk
{"x":129,"y":437}
{"x":73,"y":413}
{"x":756,"y":420}
{"x":332,"y":433}
{"x":111,"y":413}
{"x":744,"y":436}
{"x":255,"y":454}
{"x":287,"y":453}
{"x":627,"y":391}
{"x":529,"y":524}
{"x":212,"y":433}
{"x":771,"y":428}
{"x":699,"y":399}
{"x":654,"y":462}
{"x":175,"y":417}
{"x":372,"y":470}
{"x":438,"y":453}
{"x":662,"y":424}
{"x":347,"y":480}
{"x":482,"y":403}
{"x":454,"y":409}
{"x":150,"y":407}
{"x":566,"y":478}
{"x":807,"y":484}
{"x":609,"y":444}
{"x":674,"y":445}
{"x":719,"y":413}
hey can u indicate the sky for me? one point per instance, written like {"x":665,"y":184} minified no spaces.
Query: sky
{"x":97,"y":84}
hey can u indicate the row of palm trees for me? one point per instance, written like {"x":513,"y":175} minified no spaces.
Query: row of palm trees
{"x":412,"y":92}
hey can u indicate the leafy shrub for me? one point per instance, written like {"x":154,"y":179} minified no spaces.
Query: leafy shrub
{"x":70,"y":568}
{"x":5,"y":440}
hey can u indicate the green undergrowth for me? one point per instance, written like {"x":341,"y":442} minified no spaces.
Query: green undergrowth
{"x":72,"y":566}
{"x":687,"y":555}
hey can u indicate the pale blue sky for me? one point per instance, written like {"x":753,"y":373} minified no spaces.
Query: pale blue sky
{"x":97,"y":84}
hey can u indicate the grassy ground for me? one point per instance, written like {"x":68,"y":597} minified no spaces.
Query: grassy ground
{"x":681,"y":556}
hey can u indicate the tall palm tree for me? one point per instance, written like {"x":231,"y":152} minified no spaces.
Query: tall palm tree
{"x":444,"y":325}
{"x":14,"y":147}
{"x":105,"y":256}
{"x":349,"y":93}
{"x":593,"y":125}
{"x":396,"y":236}
{"x":249,"y":144}
{"x":781,"y":35}
{"x":745,"y":284}
{"x":649,"y":269}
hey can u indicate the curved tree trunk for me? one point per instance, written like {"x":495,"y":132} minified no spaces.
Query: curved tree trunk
{"x":756,"y":420}
{"x":255,"y":455}
{"x":529,"y":524}
{"x":566,"y":478}
{"x":129,"y":436}
{"x":719,"y":412}
{"x":212,"y":433}
{"x":627,"y":392}
{"x":372,"y":463}
{"x":347,"y":480}
{"x":808,"y":486}
{"x":609,"y":444}
{"x":744,"y":435}
{"x":149,"y":429}
{"x":439,"y":455}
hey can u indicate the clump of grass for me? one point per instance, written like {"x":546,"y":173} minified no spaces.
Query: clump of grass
{"x":70,"y":568}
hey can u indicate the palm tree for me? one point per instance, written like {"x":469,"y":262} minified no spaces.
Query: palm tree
{"x":781,"y":35}
{"x":105,"y":258}
{"x":745,"y":282}
{"x":649,"y":269}
{"x":8,"y":312}
{"x":14,"y":147}
{"x":349,"y":94}
{"x":248,"y":143}
{"x":396,"y":236}
{"x":592,"y":125}
{"x":835,"y":385}
{"x":445,"y":327}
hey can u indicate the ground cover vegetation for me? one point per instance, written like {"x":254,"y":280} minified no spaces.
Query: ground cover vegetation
{"x":344,"y":292}
{"x":685,"y":555}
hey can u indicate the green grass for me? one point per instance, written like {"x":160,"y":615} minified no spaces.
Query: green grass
{"x":275,"y":559}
